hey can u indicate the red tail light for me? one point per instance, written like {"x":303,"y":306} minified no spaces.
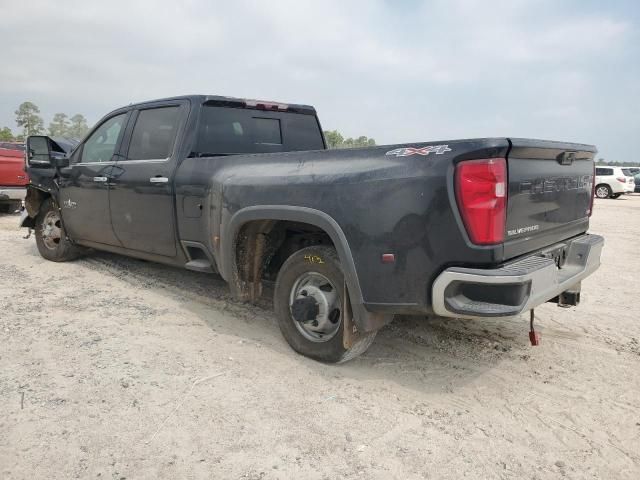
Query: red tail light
{"x":481,"y":191}
{"x":622,"y":179}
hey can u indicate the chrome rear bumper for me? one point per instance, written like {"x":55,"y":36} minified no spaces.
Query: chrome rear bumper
{"x":517,"y":287}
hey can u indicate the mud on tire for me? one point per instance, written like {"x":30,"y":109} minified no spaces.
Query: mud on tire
{"x":310,"y":286}
{"x":51,"y":238}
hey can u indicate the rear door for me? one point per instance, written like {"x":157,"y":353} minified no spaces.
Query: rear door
{"x":550,"y":193}
{"x":84,"y":193}
{"x":142,"y":194}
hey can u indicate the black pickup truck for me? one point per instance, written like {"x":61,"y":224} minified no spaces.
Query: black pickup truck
{"x":246,"y":189}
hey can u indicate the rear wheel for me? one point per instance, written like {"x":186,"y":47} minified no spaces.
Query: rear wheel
{"x":603,"y":191}
{"x":308,"y":301}
{"x":51,"y":238}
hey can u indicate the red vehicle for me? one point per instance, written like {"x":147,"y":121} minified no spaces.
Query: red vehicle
{"x":13,"y":178}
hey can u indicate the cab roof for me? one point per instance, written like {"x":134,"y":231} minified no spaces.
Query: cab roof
{"x":235,"y":102}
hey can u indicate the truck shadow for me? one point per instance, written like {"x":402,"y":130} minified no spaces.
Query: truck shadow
{"x":426,"y":354}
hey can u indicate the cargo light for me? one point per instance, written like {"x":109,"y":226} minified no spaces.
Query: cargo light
{"x":260,"y":105}
{"x":481,"y":187}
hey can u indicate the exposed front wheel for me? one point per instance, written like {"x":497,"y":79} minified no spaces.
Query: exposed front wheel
{"x":603,"y":191}
{"x":309,"y":304}
{"x":51,"y":238}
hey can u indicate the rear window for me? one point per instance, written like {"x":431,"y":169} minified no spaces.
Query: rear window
{"x":627,"y":172}
{"x":604,"y":171}
{"x":225,"y":130}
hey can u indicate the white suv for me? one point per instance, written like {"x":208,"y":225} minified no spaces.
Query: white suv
{"x":611,"y":182}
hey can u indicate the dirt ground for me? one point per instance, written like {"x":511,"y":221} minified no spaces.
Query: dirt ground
{"x":116,"y":368}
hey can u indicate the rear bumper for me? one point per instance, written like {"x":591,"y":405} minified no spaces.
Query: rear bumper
{"x":12,"y":193}
{"x":617,"y":187}
{"x":517,"y":287}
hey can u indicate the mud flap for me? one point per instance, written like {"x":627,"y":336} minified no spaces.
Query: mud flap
{"x":351,"y":332}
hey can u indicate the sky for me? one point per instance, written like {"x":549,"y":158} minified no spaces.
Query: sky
{"x":397,"y":71}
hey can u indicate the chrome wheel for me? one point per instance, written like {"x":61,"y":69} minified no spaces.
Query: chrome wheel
{"x":602,"y":192}
{"x":316,"y":307}
{"x":51,"y":230}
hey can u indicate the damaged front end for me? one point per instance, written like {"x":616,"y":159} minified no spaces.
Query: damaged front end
{"x":44,"y":156}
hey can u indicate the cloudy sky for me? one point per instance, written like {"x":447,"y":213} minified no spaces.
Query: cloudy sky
{"x":398,"y":71}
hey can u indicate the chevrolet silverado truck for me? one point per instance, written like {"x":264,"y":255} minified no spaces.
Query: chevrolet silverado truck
{"x":13,"y":178}
{"x":246,"y":189}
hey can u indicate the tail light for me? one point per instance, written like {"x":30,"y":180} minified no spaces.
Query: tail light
{"x":481,"y":187}
{"x":622,"y":179}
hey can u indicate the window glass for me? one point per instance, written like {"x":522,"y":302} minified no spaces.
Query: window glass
{"x":101,"y":145}
{"x":154,"y":134}
{"x":227,"y":130}
{"x":627,"y":172}
{"x":267,"y":130}
{"x":604,"y":171}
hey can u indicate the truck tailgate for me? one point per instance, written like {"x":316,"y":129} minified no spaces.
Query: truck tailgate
{"x":549,"y":195}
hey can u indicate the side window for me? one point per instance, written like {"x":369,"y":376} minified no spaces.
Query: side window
{"x":101,"y":145}
{"x":154,"y":134}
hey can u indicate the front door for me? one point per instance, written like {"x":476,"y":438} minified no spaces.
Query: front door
{"x":142,"y":195}
{"x":84,"y":193}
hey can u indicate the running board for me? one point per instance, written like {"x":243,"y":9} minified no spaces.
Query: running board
{"x":199,"y":265}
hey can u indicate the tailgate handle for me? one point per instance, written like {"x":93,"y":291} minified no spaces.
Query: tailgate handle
{"x":159,"y":180}
{"x":566,"y":158}
{"x":100,"y":179}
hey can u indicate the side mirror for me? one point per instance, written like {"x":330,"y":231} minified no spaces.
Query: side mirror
{"x":43,"y":152}
{"x":39,"y":151}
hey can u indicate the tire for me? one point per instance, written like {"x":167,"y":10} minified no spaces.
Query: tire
{"x":51,"y":238}
{"x":314,"y":273}
{"x":615,"y":195}
{"x":603,"y":191}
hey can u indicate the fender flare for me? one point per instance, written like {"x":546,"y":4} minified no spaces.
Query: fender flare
{"x":229,"y":231}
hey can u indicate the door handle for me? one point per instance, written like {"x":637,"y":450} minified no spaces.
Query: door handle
{"x":100,"y":179}
{"x":159,"y":180}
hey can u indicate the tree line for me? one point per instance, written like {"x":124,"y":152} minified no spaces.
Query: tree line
{"x":612,"y":163}
{"x":29,"y":120}
{"x":336,"y":140}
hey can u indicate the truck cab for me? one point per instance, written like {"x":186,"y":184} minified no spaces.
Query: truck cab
{"x":117,"y":190}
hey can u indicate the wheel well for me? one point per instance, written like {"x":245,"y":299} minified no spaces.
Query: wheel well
{"x":262,"y":246}
{"x":34,"y":200}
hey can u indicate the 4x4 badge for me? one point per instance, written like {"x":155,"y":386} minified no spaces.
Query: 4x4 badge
{"x":407,"y":151}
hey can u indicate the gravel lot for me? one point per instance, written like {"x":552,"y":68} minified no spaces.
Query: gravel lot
{"x":116,"y":368}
